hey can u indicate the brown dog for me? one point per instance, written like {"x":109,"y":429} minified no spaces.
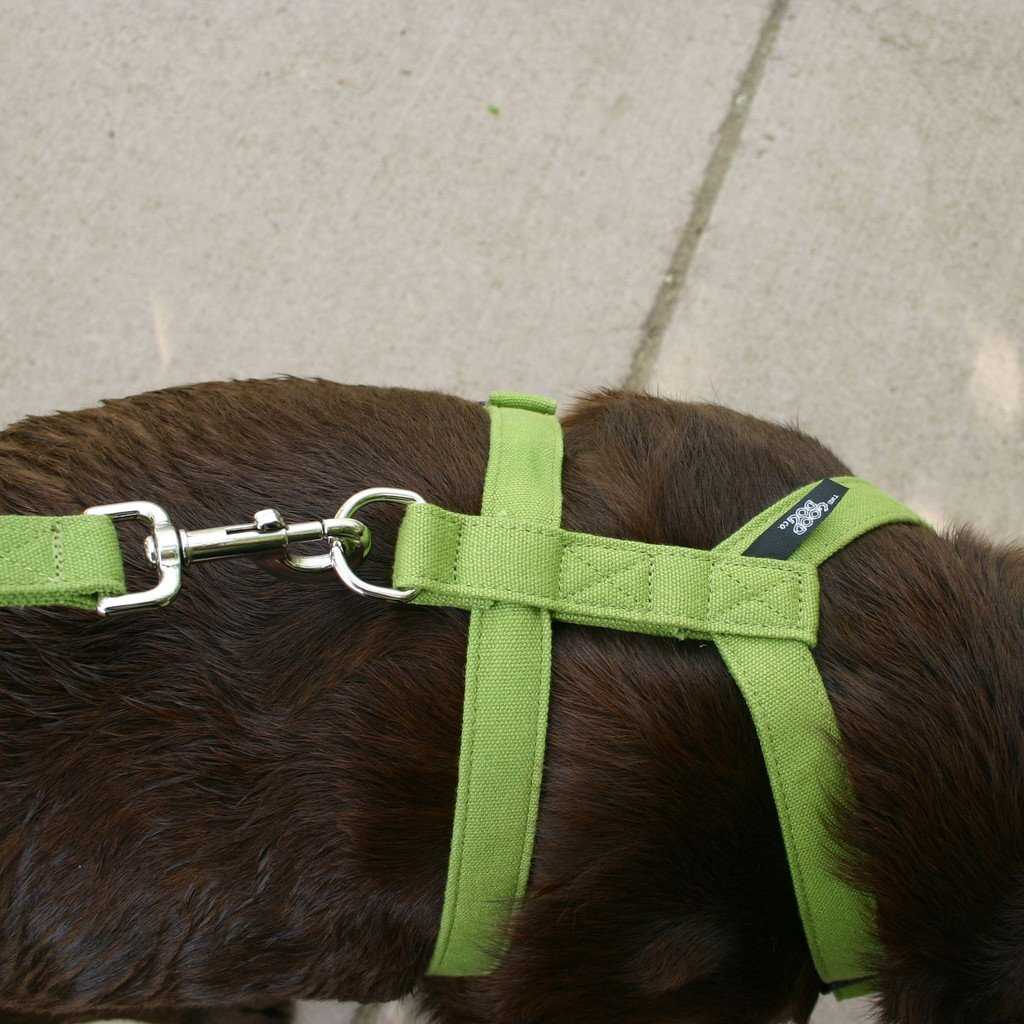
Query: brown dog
{"x":247,"y":797}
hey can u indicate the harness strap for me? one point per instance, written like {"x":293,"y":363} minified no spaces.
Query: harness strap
{"x":59,"y":560}
{"x":505,"y":707}
{"x":863,"y":510}
{"x":797,"y":729}
{"x":478,"y":561}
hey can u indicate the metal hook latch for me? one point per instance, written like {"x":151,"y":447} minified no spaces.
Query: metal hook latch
{"x":269,"y":532}
{"x":172,"y":550}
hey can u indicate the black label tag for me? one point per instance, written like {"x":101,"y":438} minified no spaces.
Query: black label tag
{"x":791,"y":529}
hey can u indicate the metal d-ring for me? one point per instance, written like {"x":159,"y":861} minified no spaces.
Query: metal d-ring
{"x":348,"y":511}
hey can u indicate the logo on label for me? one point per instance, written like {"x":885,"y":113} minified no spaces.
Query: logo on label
{"x":787,"y":533}
{"x":806,"y":516}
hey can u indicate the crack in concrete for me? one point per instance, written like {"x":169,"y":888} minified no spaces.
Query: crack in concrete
{"x":730,"y":133}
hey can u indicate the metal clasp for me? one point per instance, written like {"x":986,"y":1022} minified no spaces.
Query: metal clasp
{"x":164,"y":548}
{"x":172,"y":550}
{"x":269,"y":532}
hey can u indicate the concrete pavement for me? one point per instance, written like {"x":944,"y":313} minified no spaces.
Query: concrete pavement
{"x":808,"y":209}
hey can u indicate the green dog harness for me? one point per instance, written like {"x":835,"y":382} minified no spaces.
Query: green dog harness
{"x":755,"y":596}
{"x":514,"y":569}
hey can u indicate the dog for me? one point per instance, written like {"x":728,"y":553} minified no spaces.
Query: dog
{"x":246,"y":798}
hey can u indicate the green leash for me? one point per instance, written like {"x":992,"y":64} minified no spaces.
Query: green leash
{"x":515,"y":570}
{"x":59,"y":560}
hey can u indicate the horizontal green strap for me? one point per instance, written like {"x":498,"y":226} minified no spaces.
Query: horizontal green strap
{"x":59,"y":560}
{"x":473,"y":562}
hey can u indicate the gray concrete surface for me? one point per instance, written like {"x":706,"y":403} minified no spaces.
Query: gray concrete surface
{"x":440,"y":195}
{"x":863,"y":271}
{"x":808,"y":209}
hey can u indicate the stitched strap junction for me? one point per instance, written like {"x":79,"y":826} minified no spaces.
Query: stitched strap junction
{"x":477,"y":561}
{"x":762,"y":614}
{"x":59,"y":560}
{"x":504,"y":725}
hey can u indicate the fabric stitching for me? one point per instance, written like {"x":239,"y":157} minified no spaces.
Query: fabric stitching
{"x":469,"y":782}
{"x":603,"y":576}
{"x":667,"y":551}
{"x":760,"y":597}
{"x":570,"y":601}
{"x":748,"y":596}
{"x":458,"y":552}
{"x":786,"y":631}
{"x":58,"y":554}
{"x":8,"y":559}
{"x":58,"y":560}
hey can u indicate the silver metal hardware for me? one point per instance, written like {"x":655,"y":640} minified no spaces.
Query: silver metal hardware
{"x":268,"y":532}
{"x":338,"y":560}
{"x":172,"y":550}
{"x":163,"y":548}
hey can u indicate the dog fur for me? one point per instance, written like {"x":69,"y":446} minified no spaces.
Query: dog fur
{"x":246,"y":797}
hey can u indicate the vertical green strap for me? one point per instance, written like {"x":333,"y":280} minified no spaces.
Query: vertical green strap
{"x":797,"y":728}
{"x":59,"y":560}
{"x":504,"y":725}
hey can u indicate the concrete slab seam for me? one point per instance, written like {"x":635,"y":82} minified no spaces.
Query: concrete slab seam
{"x":730,"y":133}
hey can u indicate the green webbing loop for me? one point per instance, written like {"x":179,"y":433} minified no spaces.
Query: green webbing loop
{"x":864,"y":509}
{"x":504,"y":726}
{"x":59,"y":560}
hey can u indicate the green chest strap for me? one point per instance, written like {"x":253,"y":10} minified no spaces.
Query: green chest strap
{"x":505,"y":707}
{"x":515,"y":569}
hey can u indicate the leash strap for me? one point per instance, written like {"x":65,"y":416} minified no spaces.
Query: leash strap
{"x":762,"y":614}
{"x":59,"y":560}
{"x":505,"y":707}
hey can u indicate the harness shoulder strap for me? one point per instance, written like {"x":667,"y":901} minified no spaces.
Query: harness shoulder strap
{"x":863,"y":509}
{"x":797,"y":729}
{"x":505,"y":707}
